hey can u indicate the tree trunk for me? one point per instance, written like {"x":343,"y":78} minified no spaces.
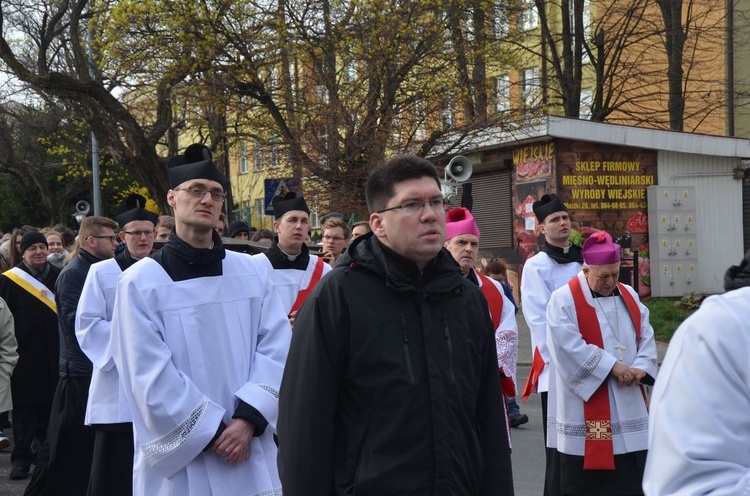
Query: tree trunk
{"x":674,"y":37}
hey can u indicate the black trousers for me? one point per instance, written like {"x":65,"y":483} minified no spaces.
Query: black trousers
{"x":625,"y":480}
{"x":112,"y":469}
{"x":29,"y":432}
{"x":71,"y":442}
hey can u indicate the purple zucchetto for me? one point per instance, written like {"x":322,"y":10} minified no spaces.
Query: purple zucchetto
{"x":600,"y":250}
{"x":459,"y":221}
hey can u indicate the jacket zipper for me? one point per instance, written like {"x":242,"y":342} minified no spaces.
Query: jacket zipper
{"x":450,"y":349}
{"x":406,"y":350}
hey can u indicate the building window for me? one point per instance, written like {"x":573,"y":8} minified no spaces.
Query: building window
{"x":273,"y":81}
{"x":260,"y":209}
{"x":502,"y":93}
{"x":500,"y":20}
{"x":257,"y":156}
{"x":530,"y":88}
{"x":350,"y":72}
{"x":246,"y":214}
{"x":322,"y":92}
{"x":529,"y":16}
{"x":448,"y":115}
{"x":274,"y":158}
{"x":587,"y":100}
{"x":586,"y":20}
{"x":243,"y":167}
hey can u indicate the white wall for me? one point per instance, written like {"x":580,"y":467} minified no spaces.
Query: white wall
{"x":718,"y":210}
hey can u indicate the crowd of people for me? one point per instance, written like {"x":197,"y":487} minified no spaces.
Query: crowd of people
{"x":144,"y":357}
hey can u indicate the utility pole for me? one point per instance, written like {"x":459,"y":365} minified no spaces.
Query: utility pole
{"x":96,"y":186}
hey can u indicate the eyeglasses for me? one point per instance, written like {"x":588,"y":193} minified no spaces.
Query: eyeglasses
{"x":138,"y":234}
{"x":112,"y":239}
{"x":333,"y":238}
{"x":412,"y":207}
{"x":198,"y":192}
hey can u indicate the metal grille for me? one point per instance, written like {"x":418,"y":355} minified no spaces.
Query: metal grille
{"x":492,"y":209}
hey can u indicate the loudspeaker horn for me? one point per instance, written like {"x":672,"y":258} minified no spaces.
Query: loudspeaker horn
{"x":83,"y":207}
{"x":459,"y":168}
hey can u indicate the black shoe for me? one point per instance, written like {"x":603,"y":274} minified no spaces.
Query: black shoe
{"x":19,"y":472}
{"x":519,"y":419}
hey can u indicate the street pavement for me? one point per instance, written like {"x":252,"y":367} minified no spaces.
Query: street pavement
{"x":527,"y":440}
{"x":7,"y":486}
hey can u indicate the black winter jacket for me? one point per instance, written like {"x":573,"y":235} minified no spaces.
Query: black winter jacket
{"x":73,"y":362}
{"x":35,"y":377}
{"x":391,"y":386}
{"x":738,"y":276}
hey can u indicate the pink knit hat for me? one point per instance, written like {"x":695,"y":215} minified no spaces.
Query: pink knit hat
{"x":600,"y":250}
{"x":460,"y":221}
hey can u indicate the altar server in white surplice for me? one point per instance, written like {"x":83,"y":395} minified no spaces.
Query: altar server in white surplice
{"x":700,"y":427}
{"x":602,"y":351}
{"x":557,"y":261}
{"x":200,"y":338}
{"x":292,"y":268}
{"x":107,"y":409}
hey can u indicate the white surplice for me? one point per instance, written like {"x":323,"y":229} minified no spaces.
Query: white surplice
{"x":506,"y":335}
{"x":107,"y":403}
{"x":289,"y":282}
{"x":187,"y":352}
{"x":700,"y":427}
{"x":541,"y":276}
{"x":579,"y":369}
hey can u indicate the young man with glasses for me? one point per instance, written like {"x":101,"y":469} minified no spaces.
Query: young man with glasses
{"x":27,"y":289}
{"x":335,"y":236}
{"x":199,"y":338}
{"x":106,"y":409}
{"x":391,"y":386}
{"x":292,"y":268}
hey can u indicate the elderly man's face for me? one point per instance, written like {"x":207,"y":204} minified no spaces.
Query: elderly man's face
{"x":602,"y":278}
{"x":36,"y":255}
{"x":465,"y":250}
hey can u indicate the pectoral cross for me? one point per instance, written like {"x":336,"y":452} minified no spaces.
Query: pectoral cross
{"x":619,"y":347}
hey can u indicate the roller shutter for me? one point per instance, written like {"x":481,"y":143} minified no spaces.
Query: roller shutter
{"x":492,"y":209}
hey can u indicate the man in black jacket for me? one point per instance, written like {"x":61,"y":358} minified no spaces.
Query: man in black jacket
{"x":391,"y":384}
{"x":71,"y":443}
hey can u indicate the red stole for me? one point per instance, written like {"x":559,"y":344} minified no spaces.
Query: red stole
{"x":598,"y":448}
{"x":495,"y":302}
{"x":493,"y":297}
{"x":304,"y":293}
{"x":536,"y":370}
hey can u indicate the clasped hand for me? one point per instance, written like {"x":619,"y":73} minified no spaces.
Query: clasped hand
{"x":234,"y":443}
{"x":627,"y":376}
